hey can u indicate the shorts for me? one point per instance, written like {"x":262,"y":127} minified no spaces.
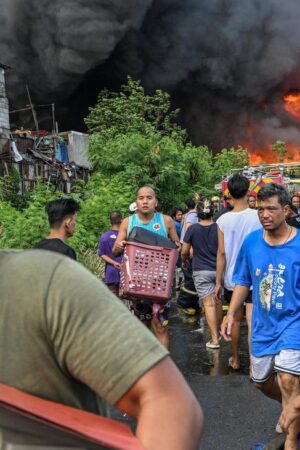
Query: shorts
{"x":262,"y":368}
{"x":205,"y":282}
{"x":228,"y":295}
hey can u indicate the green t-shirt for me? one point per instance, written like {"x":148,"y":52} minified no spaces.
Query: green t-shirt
{"x":64,"y":336}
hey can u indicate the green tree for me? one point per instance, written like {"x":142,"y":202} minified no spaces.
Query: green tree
{"x":132,"y":111}
{"x":229,"y":159}
{"x":280,"y":148}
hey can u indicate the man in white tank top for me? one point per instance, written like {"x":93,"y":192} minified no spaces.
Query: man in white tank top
{"x":233,"y":227}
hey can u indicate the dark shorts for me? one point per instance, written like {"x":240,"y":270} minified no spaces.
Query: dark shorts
{"x":228,"y":295}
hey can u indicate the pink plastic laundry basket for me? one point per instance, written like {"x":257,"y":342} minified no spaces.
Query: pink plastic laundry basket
{"x":147,"y":272}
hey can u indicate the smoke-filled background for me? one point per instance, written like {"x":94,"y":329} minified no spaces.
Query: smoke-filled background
{"x":226,"y":63}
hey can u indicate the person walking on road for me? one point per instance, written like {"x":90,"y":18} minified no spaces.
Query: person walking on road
{"x":147,"y":218}
{"x":269,"y":261}
{"x":112,"y":263}
{"x":203,"y":238}
{"x":233,"y":227}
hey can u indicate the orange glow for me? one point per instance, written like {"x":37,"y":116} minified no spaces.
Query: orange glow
{"x":292,"y":104}
{"x":260,"y":148}
{"x":265,"y":155}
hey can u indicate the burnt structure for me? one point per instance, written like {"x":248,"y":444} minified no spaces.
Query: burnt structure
{"x":58,"y":158}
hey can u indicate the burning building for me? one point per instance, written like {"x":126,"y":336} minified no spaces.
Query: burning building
{"x":230,"y":65}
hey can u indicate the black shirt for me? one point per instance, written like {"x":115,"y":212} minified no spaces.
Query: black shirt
{"x":204,"y":240}
{"x":56,"y":245}
{"x":222,"y":211}
{"x":294,"y":221}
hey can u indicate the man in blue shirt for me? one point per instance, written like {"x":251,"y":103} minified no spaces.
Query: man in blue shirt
{"x":269,"y":261}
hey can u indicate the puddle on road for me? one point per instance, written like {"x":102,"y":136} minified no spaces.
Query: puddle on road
{"x":188,"y":350}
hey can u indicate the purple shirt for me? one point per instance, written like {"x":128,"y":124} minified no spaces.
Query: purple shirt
{"x":106,"y":243}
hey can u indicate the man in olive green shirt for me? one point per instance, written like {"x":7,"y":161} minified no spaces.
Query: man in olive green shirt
{"x":66,"y":338}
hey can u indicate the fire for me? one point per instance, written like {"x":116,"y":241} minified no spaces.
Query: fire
{"x":259,"y":146}
{"x":265,"y":154}
{"x":292,"y":104}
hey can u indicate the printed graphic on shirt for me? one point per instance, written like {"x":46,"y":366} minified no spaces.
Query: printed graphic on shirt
{"x":271,"y":287}
{"x":156,"y":226}
{"x":113,"y":236}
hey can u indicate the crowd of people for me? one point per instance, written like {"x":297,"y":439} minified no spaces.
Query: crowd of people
{"x":59,"y":340}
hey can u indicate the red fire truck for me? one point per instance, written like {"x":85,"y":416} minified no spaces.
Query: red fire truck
{"x":287,"y":174}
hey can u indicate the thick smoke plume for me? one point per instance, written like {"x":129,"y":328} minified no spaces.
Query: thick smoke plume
{"x":227,"y":63}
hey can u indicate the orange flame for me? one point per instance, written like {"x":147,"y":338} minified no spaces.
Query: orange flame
{"x":292,"y":104}
{"x":260,"y":151}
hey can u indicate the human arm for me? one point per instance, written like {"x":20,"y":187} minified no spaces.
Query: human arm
{"x":290,"y":413}
{"x":97,"y":342}
{"x":111,"y":261}
{"x":242,"y":280}
{"x":119,"y":245}
{"x":238,"y":297}
{"x":221,"y":264}
{"x":185,"y":254}
{"x":168,"y":415}
{"x":171,"y":230}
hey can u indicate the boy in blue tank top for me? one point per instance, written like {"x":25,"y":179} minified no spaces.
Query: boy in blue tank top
{"x":146,"y":217}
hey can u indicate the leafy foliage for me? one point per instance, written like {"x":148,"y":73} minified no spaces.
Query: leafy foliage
{"x":132,"y":111}
{"x":134,"y":141}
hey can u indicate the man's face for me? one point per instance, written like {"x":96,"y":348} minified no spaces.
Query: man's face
{"x":178,"y":216}
{"x":296,"y":201}
{"x":252,"y":202}
{"x":146,"y":201}
{"x":271,"y":213}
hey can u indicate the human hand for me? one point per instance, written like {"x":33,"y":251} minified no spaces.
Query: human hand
{"x":226,"y":327}
{"x":161,"y":332}
{"x":120,"y":246}
{"x":290,"y":413}
{"x":218,"y":291}
{"x":117,"y":265}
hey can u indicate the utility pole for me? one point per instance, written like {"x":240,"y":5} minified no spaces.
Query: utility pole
{"x":32,"y":109}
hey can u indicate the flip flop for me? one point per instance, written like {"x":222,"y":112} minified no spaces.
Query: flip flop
{"x":212,"y":346}
{"x":233,"y":367}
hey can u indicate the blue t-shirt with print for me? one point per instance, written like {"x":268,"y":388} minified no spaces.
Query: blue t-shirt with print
{"x":274,"y":272}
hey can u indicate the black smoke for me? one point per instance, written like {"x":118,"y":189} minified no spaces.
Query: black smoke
{"x":226,"y":63}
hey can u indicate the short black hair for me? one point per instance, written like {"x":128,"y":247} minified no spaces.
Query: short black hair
{"x":58,"y":210}
{"x":205,"y":210}
{"x":175,"y":210}
{"x":274,"y":190}
{"x":293,"y":207}
{"x":238,"y":186}
{"x":115,"y":217}
{"x":190,"y":203}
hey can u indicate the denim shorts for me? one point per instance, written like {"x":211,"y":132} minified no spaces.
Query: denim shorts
{"x":287,"y":361}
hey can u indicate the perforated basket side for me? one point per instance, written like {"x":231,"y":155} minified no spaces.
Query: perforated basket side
{"x":148,"y":271}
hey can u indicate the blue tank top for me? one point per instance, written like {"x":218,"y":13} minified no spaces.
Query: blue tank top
{"x":156,"y":224}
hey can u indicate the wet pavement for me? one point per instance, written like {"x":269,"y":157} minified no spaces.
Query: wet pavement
{"x":237,"y":416}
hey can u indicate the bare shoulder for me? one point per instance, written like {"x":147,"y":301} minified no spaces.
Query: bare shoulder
{"x":125,"y":222}
{"x":167,"y":219}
